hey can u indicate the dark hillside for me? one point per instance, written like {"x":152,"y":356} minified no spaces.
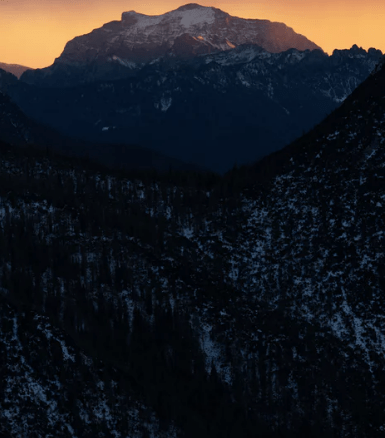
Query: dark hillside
{"x":214,"y":110}
{"x":366,"y":102}
{"x":18,"y":129}
{"x":183,"y":304}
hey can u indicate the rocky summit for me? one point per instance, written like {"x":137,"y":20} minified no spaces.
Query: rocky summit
{"x":120,"y":48}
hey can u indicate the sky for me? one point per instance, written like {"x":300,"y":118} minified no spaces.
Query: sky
{"x":34,"y":32}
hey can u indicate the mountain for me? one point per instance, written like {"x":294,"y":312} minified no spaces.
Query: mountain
{"x":193,"y":305}
{"x":19,"y":130}
{"x":313,"y":232}
{"x":120,"y":48}
{"x":213,"y":110}
{"x":15,"y":69}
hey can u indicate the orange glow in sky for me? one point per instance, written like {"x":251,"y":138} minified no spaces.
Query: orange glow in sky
{"x":34,"y":32}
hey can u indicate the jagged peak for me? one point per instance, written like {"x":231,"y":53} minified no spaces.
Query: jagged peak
{"x":356,"y":48}
{"x":353,"y":50}
{"x":374,"y":51}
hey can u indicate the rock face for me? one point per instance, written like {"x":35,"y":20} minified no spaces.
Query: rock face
{"x":120,"y":48}
{"x":214,"y":109}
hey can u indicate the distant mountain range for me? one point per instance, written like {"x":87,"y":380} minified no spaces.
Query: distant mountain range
{"x":120,"y":48}
{"x":194,"y":84}
{"x":15,"y":69}
{"x":214,"y":110}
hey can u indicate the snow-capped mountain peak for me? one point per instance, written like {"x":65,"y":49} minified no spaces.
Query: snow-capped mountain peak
{"x":186,"y":32}
{"x":208,"y":24}
{"x":186,"y":17}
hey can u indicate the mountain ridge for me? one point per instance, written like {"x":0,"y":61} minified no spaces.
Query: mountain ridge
{"x":15,"y":69}
{"x":220,"y":100}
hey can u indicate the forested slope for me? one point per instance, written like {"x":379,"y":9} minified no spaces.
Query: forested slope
{"x":249,"y":305}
